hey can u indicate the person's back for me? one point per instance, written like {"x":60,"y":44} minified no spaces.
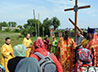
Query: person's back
{"x":66,"y":47}
{"x":28,"y":65}
{"x":13,"y":63}
{"x":19,"y":53}
{"x":79,"y":39}
{"x":83,"y":58}
{"x":53,"y":57}
{"x":44,"y":52}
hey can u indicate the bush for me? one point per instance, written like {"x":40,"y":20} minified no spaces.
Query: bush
{"x":7,"y":30}
{"x":16,"y":30}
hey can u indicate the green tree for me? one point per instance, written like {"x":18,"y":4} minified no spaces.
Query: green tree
{"x":46,"y":25}
{"x":3,"y":24}
{"x":31,"y":26}
{"x":12,"y":24}
{"x":55,"y":22}
{"x":19,"y":26}
{"x":25,"y":26}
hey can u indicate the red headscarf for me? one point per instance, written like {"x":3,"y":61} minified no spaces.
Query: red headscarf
{"x":39,"y":44}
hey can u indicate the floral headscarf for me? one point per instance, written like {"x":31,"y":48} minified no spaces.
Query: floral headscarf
{"x":39,"y":44}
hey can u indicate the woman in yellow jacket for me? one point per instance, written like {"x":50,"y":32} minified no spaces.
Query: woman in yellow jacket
{"x":7,"y":53}
{"x":28,"y":44}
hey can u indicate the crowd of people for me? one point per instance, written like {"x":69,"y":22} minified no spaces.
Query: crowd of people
{"x":43,"y":55}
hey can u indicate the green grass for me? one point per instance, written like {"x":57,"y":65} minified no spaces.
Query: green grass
{"x":15,"y":38}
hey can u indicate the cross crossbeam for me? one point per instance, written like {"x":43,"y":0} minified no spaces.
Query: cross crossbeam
{"x":75,"y":9}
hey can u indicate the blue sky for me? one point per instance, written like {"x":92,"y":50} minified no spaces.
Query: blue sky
{"x":21,"y":10}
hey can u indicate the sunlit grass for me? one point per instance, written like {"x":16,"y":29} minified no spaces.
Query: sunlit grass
{"x":15,"y":39}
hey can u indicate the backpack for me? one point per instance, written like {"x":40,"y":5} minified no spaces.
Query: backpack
{"x":46,"y":63}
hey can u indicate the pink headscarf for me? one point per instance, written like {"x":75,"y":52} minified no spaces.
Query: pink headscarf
{"x":39,"y":43}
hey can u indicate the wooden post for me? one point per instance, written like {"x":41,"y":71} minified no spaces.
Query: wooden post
{"x":76,"y":13}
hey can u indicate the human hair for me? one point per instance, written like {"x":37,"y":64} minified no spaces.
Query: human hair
{"x":89,"y":36}
{"x":66,"y":35}
{"x":7,"y":38}
{"x":27,"y":34}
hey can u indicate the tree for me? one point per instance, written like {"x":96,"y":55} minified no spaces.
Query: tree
{"x":19,"y":26}
{"x":31,"y":26}
{"x":55,"y":22}
{"x":12,"y":24}
{"x":25,"y":26}
{"x":3,"y":24}
{"x":46,"y":25}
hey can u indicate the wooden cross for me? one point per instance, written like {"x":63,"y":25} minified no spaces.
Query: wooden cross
{"x":76,"y":10}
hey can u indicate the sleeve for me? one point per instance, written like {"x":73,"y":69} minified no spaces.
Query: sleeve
{"x":58,"y":48}
{"x":30,"y":41}
{"x":23,"y":42}
{"x":32,"y":50}
{"x":73,"y":44}
{"x":4,"y":52}
{"x":57,"y":63}
{"x":46,"y":41}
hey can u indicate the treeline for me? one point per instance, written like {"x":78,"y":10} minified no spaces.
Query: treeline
{"x":34,"y":26}
{"x":9,"y":24}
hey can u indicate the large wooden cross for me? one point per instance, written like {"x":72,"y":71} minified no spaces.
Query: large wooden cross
{"x":76,"y":10}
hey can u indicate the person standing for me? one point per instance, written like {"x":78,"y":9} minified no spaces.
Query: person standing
{"x":54,"y":46}
{"x":66,"y":47}
{"x":79,"y":38}
{"x":7,"y":53}
{"x":46,"y":42}
{"x":83,"y":59}
{"x":92,"y":44}
{"x":19,"y":53}
{"x":40,"y":48}
{"x":28,"y":44}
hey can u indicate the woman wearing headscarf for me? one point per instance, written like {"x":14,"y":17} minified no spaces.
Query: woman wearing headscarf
{"x":83,"y":59}
{"x":19,"y":53}
{"x":66,"y":46}
{"x":40,"y":48}
{"x":92,"y":44}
